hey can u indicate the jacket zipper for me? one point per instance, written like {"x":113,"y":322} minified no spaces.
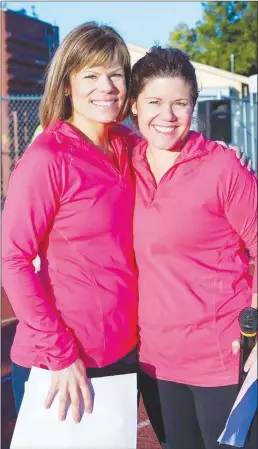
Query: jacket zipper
{"x":170,"y":170}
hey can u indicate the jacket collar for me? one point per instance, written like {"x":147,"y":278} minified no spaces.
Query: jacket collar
{"x":195,"y":146}
{"x":64,"y":130}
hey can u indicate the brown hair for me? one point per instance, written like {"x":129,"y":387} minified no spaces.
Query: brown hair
{"x":87,"y":45}
{"x":163,"y":62}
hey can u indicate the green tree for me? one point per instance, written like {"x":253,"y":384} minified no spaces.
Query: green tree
{"x":226,"y":28}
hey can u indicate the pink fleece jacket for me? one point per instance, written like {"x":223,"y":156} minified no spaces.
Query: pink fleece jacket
{"x":71,"y":205}
{"x":189,"y":233}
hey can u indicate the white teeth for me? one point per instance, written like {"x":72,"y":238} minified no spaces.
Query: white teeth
{"x":104,"y":103}
{"x":164,"y":129}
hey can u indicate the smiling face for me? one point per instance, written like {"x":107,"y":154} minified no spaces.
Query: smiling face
{"x":97,"y":94}
{"x":164,"y":112}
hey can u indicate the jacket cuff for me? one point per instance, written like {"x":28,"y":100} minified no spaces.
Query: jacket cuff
{"x":58,"y":363}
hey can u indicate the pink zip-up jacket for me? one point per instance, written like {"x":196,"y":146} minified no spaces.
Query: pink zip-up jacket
{"x":71,"y":205}
{"x":190,"y":232}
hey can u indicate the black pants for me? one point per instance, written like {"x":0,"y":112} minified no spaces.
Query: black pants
{"x":189,"y":417}
{"x":126,"y":365}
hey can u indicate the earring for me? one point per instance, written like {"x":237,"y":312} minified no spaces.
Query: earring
{"x":66,"y":95}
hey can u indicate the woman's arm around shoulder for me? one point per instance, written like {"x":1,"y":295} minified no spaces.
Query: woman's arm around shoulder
{"x":129,"y":135}
{"x":238,"y":188}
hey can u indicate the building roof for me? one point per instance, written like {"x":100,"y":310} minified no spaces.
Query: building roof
{"x":28,"y":15}
{"x":138,"y":52}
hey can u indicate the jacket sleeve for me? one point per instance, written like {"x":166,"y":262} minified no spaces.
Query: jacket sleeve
{"x":239,"y":188}
{"x":31,"y":205}
{"x":131,"y":136}
{"x":133,"y":140}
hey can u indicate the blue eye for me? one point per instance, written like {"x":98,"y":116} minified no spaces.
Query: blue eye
{"x":178,"y":103}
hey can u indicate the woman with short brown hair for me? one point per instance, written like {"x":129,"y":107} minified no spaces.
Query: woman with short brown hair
{"x":72,"y":196}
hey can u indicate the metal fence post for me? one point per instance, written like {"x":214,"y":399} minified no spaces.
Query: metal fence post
{"x":252,"y":129}
{"x":245,"y":127}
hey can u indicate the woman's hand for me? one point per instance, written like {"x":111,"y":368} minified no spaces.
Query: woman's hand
{"x":252,"y":357}
{"x":72,"y":384}
{"x":243,"y":159}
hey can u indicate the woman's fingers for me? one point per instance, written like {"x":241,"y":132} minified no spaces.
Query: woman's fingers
{"x":80,"y":397}
{"x":235,"y":346}
{"x":249,"y":165}
{"x":73,"y":387}
{"x":52,"y":392}
{"x":251,"y":359}
{"x":63,"y":402}
{"x":237,"y":150}
{"x":245,"y":160}
{"x":75,"y":402}
{"x":86,"y":396}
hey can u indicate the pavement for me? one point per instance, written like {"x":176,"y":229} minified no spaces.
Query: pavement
{"x":146,"y":436}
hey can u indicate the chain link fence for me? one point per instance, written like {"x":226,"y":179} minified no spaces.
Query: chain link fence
{"x":244,"y":127}
{"x":243,"y":118}
{"x":20,"y":119}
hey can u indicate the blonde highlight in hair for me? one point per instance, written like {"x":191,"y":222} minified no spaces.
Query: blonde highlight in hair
{"x":88,"y":45}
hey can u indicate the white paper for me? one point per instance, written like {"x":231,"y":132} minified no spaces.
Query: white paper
{"x":112,"y":424}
